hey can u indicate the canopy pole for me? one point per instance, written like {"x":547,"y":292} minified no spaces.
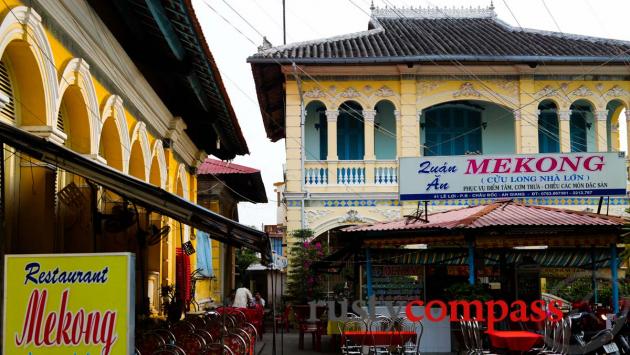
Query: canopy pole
{"x":594,"y":276}
{"x":471,"y":262}
{"x":368,"y":273}
{"x":614,"y":263}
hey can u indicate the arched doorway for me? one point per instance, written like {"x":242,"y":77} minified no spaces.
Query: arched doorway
{"x":316,"y":131}
{"x":110,"y":145}
{"x":350,"y":132}
{"x":467,"y":127}
{"x":548,"y":127}
{"x":581,"y":128}
{"x":385,"y":131}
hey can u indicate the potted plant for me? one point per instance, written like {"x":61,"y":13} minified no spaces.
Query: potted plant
{"x":304,"y":284}
{"x":171,"y":305}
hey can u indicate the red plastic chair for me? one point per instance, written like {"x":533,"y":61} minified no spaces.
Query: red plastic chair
{"x":316,"y":329}
{"x":217,"y":349}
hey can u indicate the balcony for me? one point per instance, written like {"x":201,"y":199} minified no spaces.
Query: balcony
{"x":351,"y":172}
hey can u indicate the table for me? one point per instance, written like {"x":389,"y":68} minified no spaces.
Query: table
{"x":376,"y":338}
{"x":514,"y":340}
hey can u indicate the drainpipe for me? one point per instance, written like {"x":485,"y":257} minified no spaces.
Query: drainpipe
{"x":302,"y":121}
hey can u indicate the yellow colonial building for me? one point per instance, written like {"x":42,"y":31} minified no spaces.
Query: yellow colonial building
{"x":107,"y":110}
{"x":432,"y":82}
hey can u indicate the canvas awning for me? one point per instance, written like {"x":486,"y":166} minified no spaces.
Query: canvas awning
{"x":552,"y":258}
{"x":151,"y":197}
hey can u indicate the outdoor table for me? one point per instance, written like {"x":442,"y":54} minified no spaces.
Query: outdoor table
{"x":514,"y":340}
{"x":377,"y":338}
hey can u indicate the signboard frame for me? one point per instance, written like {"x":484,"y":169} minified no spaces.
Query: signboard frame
{"x":131,"y":291}
{"x":448,"y":176}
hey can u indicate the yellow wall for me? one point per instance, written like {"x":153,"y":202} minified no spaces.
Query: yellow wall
{"x":411,"y":92}
{"x":36,"y":62}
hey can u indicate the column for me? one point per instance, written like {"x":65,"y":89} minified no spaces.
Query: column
{"x":368,"y":126}
{"x":294,"y":139}
{"x":410,"y":131}
{"x":565,"y":130}
{"x":627,"y":111}
{"x":601,"y":132}
{"x":528,"y":123}
{"x":398,"y":134}
{"x":614,"y":277}
{"x":368,"y":274}
{"x":370,"y":149}
{"x":471,"y":262}
{"x":331,"y":119}
{"x":517,"y":130}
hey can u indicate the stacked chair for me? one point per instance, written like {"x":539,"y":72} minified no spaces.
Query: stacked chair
{"x":380,"y":335}
{"x":214,"y":333}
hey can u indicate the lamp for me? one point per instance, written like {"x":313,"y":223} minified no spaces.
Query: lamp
{"x":317,"y":125}
{"x":531,"y":247}
{"x":484,"y":125}
{"x":589,"y":125}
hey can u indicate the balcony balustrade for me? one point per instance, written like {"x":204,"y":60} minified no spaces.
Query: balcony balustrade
{"x":351,"y":172}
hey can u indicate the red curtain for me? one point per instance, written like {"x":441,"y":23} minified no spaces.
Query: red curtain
{"x":182,"y":276}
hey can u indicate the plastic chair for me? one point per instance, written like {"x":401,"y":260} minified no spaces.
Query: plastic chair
{"x":348,"y":346}
{"x":381,"y":324}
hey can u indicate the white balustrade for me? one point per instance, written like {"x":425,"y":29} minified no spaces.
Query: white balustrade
{"x":316,"y":176}
{"x":386,"y":175}
{"x":351,"y":175}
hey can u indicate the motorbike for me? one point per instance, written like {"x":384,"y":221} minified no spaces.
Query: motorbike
{"x":594,"y":341}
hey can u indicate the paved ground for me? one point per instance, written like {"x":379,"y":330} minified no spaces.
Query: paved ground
{"x":291,"y":345}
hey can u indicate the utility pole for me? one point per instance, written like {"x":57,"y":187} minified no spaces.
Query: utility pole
{"x":284,"y":22}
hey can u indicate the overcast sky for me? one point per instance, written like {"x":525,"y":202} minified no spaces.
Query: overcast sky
{"x":312,"y":19}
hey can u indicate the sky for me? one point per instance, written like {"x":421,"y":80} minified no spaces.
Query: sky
{"x":234,"y":30}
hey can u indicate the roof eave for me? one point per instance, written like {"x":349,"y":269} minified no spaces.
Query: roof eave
{"x":442,"y":58}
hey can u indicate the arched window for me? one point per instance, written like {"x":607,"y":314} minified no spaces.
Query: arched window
{"x":453,"y":129}
{"x":6,"y":87}
{"x":316,"y":131}
{"x":385,"y":131}
{"x":614,"y":108}
{"x":350,"y":132}
{"x":548,"y":128}
{"x":581,"y":127}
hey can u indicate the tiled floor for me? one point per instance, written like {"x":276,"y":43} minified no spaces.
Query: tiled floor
{"x":291,"y":345}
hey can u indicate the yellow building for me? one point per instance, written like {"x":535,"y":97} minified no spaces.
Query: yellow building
{"x":432,"y":82}
{"x":107,"y":110}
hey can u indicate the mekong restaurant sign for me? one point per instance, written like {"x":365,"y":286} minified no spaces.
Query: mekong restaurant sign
{"x":512,"y":176}
{"x":69,"y":304}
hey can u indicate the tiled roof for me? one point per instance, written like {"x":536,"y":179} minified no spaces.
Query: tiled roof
{"x":218,"y":167}
{"x":401,"y":35}
{"x":495,"y":214}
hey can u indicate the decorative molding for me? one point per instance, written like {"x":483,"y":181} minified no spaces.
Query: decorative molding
{"x":601,"y":115}
{"x":547,"y":91}
{"x":315,"y":93}
{"x":466,"y":89}
{"x":331,"y":115}
{"x":581,"y":91}
{"x":426,"y":86}
{"x":350,"y":92}
{"x":368,"y":115}
{"x":517,"y":115}
{"x":384,"y":91}
{"x":314,"y":215}
{"x":434,"y":12}
{"x":616,"y":91}
{"x":352,"y":216}
{"x":390,"y":214}
{"x":564,"y":115}
{"x":510,"y":86}
{"x":397,"y":115}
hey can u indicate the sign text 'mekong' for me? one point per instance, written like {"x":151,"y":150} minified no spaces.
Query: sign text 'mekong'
{"x":512,"y":176}
{"x":69,"y":304}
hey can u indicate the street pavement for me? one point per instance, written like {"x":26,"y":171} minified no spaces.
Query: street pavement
{"x":291,"y":345}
